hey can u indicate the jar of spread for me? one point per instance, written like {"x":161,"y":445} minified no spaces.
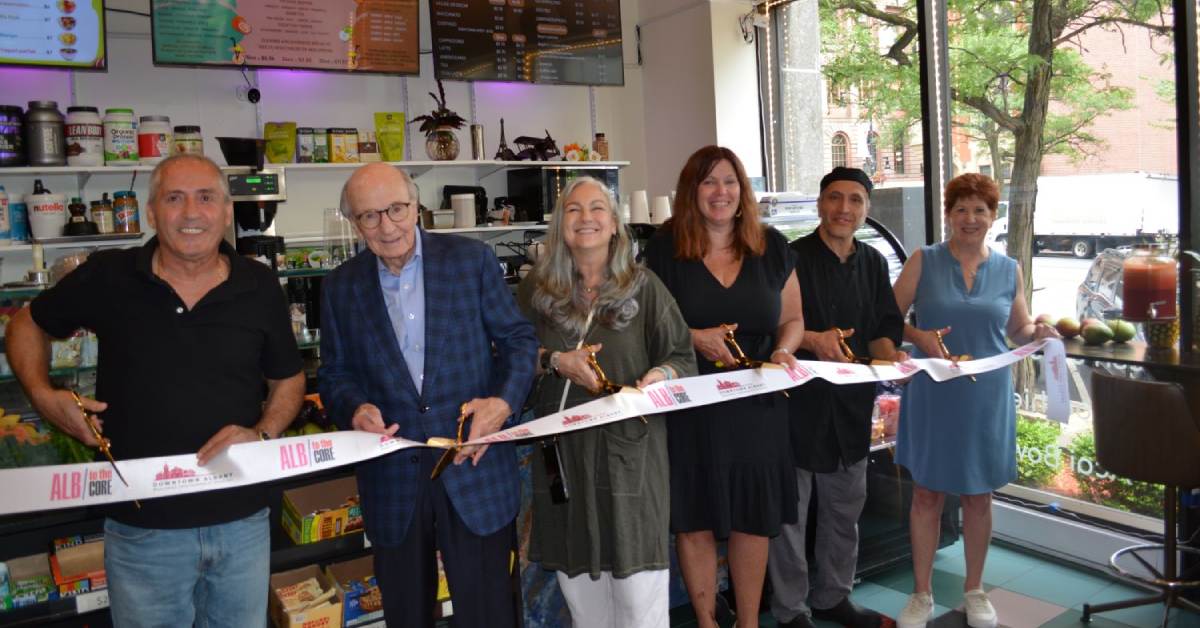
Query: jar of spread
{"x":125,"y":212}
{"x":188,"y":141}
{"x":102,"y":214}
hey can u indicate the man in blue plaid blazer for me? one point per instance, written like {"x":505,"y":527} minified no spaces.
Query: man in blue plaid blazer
{"x":410,"y":332}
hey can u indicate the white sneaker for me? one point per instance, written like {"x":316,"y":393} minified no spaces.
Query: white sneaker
{"x":917,"y":612}
{"x":980,"y":612}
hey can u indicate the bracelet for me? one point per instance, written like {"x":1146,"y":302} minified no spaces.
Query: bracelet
{"x":781,"y":350}
{"x":664,"y":370}
{"x":554,"y":363}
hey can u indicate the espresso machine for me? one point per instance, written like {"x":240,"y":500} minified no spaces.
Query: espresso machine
{"x":256,"y":193}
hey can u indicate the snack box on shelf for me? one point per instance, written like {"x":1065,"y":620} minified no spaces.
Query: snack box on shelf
{"x":361,"y":599}
{"x":78,"y":565}
{"x":30,"y":581}
{"x":284,"y":586}
{"x":322,"y":511}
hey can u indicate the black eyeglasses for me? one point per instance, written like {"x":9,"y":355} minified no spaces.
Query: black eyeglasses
{"x":397,"y":212}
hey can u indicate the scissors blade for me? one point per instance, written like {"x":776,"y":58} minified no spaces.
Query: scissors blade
{"x":442,"y":463}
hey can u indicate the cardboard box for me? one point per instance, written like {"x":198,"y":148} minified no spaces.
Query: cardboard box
{"x":30,"y":580}
{"x":362,"y":603}
{"x":322,"y":511}
{"x":78,"y":568}
{"x":324,"y":617}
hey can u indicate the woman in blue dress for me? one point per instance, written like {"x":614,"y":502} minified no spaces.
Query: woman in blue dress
{"x":959,"y":436}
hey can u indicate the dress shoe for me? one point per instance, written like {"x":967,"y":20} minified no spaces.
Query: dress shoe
{"x":801,"y":621}
{"x":847,"y":613}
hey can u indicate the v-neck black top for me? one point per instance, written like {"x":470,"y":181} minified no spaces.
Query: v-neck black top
{"x":831,"y":424}
{"x":172,"y":377}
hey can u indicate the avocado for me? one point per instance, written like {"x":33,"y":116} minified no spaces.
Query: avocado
{"x":1123,"y":331}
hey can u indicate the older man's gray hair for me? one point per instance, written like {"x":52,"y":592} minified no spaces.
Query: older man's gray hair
{"x":414,"y":194}
{"x":157,"y":175}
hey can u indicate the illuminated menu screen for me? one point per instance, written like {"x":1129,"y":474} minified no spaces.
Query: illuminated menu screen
{"x":542,"y":41}
{"x":350,"y":35}
{"x":63,"y":33}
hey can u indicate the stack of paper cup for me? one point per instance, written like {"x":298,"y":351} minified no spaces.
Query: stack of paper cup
{"x":662,"y":210}
{"x":464,"y":210}
{"x":639,"y":209}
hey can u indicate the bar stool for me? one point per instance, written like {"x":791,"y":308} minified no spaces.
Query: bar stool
{"x":1145,"y":432}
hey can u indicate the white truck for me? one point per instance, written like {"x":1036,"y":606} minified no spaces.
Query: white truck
{"x":1086,"y":213}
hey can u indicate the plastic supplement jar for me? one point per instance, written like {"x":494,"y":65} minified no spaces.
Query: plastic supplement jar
{"x":85,"y":137}
{"x":154,"y":139}
{"x":120,"y":137}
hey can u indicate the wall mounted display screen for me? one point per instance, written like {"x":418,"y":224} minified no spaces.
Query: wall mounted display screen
{"x":379,"y":36}
{"x":62,"y":33}
{"x":544,"y":41}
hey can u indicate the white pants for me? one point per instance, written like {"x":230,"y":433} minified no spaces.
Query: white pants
{"x":638,"y":601}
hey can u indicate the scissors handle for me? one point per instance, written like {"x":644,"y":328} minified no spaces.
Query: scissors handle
{"x":450,"y":452}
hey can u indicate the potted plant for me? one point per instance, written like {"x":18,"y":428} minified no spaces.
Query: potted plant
{"x":441,"y":144}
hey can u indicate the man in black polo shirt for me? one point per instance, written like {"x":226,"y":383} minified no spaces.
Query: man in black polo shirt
{"x":846,"y":287}
{"x":196,"y":354}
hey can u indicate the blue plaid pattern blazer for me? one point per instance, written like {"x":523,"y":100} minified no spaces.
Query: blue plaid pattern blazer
{"x":468,"y":312}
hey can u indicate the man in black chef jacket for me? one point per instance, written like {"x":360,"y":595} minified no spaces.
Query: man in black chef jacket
{"x":846,"y":287}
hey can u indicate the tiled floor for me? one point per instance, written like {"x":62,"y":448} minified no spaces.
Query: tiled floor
{"x":1027,"y":591}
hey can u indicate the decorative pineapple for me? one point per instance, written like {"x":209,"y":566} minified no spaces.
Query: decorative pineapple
{"x":1162,"y":334}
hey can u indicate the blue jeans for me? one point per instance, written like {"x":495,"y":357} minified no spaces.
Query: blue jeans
{"x":215,"y":576}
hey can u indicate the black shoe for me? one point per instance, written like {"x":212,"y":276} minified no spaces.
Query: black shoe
{"x":724,"y":615}
{"x":801,"y":621}
{"x":847,"y":613}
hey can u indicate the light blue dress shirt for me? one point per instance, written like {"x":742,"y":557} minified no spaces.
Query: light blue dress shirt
{"x":404,"y":295}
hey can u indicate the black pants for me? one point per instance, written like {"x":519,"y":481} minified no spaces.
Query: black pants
{"x":477,"y":567}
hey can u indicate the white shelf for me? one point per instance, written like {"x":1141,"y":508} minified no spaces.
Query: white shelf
{"x":416,"y":167}
{"x":501,"y":229}
{"x":301,"y":239}
{"x":82,"y":243}
{"x":71,"y":170}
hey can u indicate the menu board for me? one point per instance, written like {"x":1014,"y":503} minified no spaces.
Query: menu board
{"x":543,"y":41}
{"x":378,"y":36}
{"x":62,"y":33}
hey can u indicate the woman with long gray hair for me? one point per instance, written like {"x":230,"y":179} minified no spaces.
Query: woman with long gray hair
{"x":600,"y":508}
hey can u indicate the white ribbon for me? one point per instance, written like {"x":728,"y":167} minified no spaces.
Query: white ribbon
{"x":73,"y":485}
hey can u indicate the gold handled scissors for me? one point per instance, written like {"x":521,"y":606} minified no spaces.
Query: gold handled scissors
{"x":105,"y":445}
{"x":849,"y":353}
{"x":607,"y":386}
{"x":954,"y":359}
{"x":452,"y":446}
{"x":739,"y":357}
{"x":740,"y":360}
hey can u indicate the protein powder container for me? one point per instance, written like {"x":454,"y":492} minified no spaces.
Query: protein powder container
{"x":85,"y":137}
{"x":154,"y":139}
{"x":44,"y":139}
{"x":12,"y":144}
{"x":120,"y":137}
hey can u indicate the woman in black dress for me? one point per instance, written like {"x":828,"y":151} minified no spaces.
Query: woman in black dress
{"x":731,"y":467}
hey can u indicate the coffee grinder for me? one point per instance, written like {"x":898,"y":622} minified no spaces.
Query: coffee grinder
{"x":256,"y":193}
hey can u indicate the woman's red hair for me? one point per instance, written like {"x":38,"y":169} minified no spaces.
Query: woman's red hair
{"x":687,"y":224}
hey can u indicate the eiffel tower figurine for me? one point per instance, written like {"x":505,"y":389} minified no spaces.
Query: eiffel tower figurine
{"x":504,"y":153}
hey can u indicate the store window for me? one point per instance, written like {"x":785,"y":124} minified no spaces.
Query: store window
{"x":1068,"y":162}
{"x":1108,"y":79}
{"x":837,"y":150}
{"x":873,"y":101}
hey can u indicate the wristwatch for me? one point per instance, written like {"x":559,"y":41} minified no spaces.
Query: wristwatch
{"x":263,"y":435}
{"x":544,"y":360}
